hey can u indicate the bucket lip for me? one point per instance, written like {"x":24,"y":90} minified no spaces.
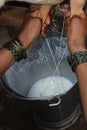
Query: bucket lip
{"x":45,"y":97}
{"x":17,"y":95}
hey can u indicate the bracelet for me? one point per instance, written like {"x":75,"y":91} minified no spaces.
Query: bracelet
{"x":77,"y":58}
{"x":17,"y":49}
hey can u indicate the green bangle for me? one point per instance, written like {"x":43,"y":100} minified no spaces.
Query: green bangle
{"x":77,"y":58}
{"x":17,"y":49}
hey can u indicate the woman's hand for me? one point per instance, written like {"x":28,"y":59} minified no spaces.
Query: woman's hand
{"x":77,"y":6}
{"x":42,"y":12}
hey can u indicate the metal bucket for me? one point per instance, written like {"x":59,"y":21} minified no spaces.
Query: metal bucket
{"x":40,"y":63}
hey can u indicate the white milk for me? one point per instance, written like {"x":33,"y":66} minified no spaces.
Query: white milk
{"x":51,"y":85}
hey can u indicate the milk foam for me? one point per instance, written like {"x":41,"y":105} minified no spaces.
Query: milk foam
{"x":51,"y":85}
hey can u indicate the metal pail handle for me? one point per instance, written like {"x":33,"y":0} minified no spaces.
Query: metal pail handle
{"x":55,"y":104}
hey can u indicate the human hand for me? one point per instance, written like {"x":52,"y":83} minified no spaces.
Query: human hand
{"x":51,"y":23}
{"x":46,"y":12}
{"x":77,"y":33}
{"x":77,"y":6}
{"x":42,"y":12}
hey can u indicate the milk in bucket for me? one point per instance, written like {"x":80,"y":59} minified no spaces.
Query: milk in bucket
{"x":52,"y":85}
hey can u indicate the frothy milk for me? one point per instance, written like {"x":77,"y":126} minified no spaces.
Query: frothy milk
{"x":51,"y":85}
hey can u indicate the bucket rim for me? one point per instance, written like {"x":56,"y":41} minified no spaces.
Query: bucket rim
{"x":17,"y":95}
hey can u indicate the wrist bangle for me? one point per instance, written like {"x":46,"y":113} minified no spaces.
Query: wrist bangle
{"x":77,"y":58}
{"x":17,"y":49}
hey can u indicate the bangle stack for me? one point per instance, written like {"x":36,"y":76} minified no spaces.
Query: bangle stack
{"x":17,"y":49}
{"x":77,"y":58}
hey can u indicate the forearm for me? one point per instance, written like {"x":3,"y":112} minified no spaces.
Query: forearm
{"x":76,"y":44}
{"x":6,"y":60}
{"x":28,"y":34}
{"x":77,"y":33}
{"x":81,"y":72}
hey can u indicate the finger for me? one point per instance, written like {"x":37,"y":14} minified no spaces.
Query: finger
{"x":43,"y":32}
{"x":47,"y":21}
{"x":67,"y":21}
{"x":43,"y":29}
{"x":68,"y":14}
{"x":44,"y":26}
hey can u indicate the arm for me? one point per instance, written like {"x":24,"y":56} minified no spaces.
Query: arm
{"x":81,"y":72}
{"x":77,"y":32}
{"x":30,"y":31}
{"x":43,"y":13}
{"x":6,"y":57}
